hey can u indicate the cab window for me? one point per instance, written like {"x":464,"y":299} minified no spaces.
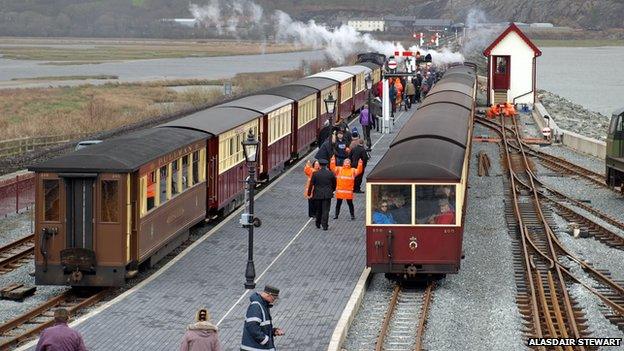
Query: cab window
{"x":391,"y":204}
{"x":435,"y":204}
{"x":51,"y":200}
{"x":110,"y":201}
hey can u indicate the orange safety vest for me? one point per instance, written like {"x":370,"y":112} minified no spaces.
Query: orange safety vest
{"x":309,"y":171}
{"x":345,"y":179}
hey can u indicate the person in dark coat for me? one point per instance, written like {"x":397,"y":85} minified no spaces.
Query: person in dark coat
{"x":417,"y":83}
{"x":323,"y":185}
{"x":324,"y":134}
{"x":326,"y":150}
{"x":60,"y":336}
{"x":341,"y":147}
{"x":359,"y":153}
{"x":393,"y":96}
{"x":376,"y":113}
{"x":258,"y":331}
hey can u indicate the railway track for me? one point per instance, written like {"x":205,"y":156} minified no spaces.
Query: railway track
{"x":16,"y":253}
{"x":34,"y":321}
{"x":404,"y":323}
{"x":543,"y":281}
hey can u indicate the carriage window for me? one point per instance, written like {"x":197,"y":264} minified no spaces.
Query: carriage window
{"x":195,"y":179}
{"x":175,"y":183}
{"x":151,"y":190}
{"x":185,"y":166}
{"x":163,"y":184}
{"x":620,"y":124}
{"x":202,"y":165}
{"x":435,"y":204}
{"x":110,"y":201}
{"x":391,"y":204}
{"x":51,"y":197}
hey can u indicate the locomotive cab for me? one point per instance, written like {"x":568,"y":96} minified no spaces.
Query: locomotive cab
{"x":615,"y":150}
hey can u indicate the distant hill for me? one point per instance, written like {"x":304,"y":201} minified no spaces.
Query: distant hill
{"x":141,"y":18}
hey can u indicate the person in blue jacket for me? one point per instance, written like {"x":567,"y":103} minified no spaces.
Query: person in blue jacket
{"x":258,"y":331}
{"x":382,"y":216}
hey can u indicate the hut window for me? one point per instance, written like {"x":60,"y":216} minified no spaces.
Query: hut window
{"x":391,"y":204}
{"x":110,"y":201}
{"x":435,"y":204}
{"x":164,"y":180}
{"x":51,"y":200}
{"x":195,"y":179}
{"x":151,"y":190}
{"x":185,"y":166}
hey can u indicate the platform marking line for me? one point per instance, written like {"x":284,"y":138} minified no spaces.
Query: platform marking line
{"x":265,"y":270}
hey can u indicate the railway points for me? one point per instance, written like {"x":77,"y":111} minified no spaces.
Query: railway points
{"x":316,"y":271}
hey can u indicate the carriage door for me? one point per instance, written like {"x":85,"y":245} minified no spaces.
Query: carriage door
{"x":501,"y":72}
{"x":79,"y":193}
{"x":618,"y":137}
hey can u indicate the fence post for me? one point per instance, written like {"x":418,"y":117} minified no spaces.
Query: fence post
{"x":17,"y":194}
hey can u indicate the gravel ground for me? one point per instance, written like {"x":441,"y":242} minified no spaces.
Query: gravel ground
{"x":365,"y":328}
{"x":590,"y":162}
{"x":10,"y":309}
{"x":529,"y":128}
{"x":476,"y":309}
{"x":15,"y":226}
{"x":594,"y":252}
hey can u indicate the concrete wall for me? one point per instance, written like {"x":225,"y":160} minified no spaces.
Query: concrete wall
{"x":521,"y":80}
{"x":570,"y":139}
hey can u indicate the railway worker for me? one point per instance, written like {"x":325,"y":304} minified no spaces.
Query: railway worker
{"x":258,"y":331}
{"x":341,"y":147}
{"x":446,"y":214}
{"x":381,"y":215}
{"x":358,"y":153}
{"x":201,"y":335}
{"x":410,"y":91}
{"x":60,"y":336}
{"x":345,"y":181}
{"x":399,"y":89}
{"x":309,"y":169}
{"x":323,"y":185}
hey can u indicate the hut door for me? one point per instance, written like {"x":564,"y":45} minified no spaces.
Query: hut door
{"x":501,"y":72}
{"x":80,"y":212}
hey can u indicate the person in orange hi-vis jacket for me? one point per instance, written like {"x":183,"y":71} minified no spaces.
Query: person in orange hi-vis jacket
{"x":345,"y":179}
{"x":309,"y":170}
{"x":399,"y":88}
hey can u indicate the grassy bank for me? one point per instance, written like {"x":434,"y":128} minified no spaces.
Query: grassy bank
{"x":87,"y":109}
{"x":49,"y":78}
{"x":98,"y":52}
{"x":578,"y":43}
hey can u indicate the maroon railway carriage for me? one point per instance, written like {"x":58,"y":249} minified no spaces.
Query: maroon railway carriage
{"x":275,"y":130}
{"x":344,"y":105}
{"x":325,"y":87}
{"x":359,"y":73}
{"x":305,"y":115}
{"x":416,"y":203}
{"x":103,"y":210}
{"x":226,"y":127}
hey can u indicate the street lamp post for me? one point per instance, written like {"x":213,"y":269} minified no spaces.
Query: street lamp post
{"x":369,"y":87}
{"x":250,"y":150}
{"x":330,"y":107}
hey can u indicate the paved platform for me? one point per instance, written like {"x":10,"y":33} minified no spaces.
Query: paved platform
{"x":316,"y":271}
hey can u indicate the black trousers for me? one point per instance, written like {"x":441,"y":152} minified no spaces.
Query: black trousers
{"x":358,"y":182}
{"x":367,"y":130}
{"x":349,"y":202}
{"x":311,"y":208}
{"x":322,"y":212}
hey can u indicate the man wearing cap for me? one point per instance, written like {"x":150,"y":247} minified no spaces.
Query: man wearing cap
{"x":258,"y":331}
{"x":60,"y":336}
{"x":322,"y":187}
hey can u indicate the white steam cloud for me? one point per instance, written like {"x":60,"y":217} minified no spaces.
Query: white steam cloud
{"x":478,"y":35}
{"x":338,"y":43}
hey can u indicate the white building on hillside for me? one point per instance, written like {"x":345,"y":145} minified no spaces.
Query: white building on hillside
{"x":367,"y":24}
{"x":511,"y":67}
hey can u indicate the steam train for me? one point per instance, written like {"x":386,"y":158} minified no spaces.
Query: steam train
{"x":103,"y":211}
{"x":615,"y":151}
{"x":416,"y":194}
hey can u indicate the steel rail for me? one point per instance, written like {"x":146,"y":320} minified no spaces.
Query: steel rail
{"x":424,"y":315}
{"x":387,"y":318}
{"x":15,"y":251}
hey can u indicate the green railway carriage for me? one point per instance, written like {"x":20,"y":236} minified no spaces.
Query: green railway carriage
{"x":615,"y":150}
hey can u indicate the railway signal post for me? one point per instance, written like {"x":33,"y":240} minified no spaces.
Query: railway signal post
{"x":248,"y":219}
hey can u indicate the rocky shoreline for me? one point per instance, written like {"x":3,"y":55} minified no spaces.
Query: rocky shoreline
{"x":574,"y":117}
